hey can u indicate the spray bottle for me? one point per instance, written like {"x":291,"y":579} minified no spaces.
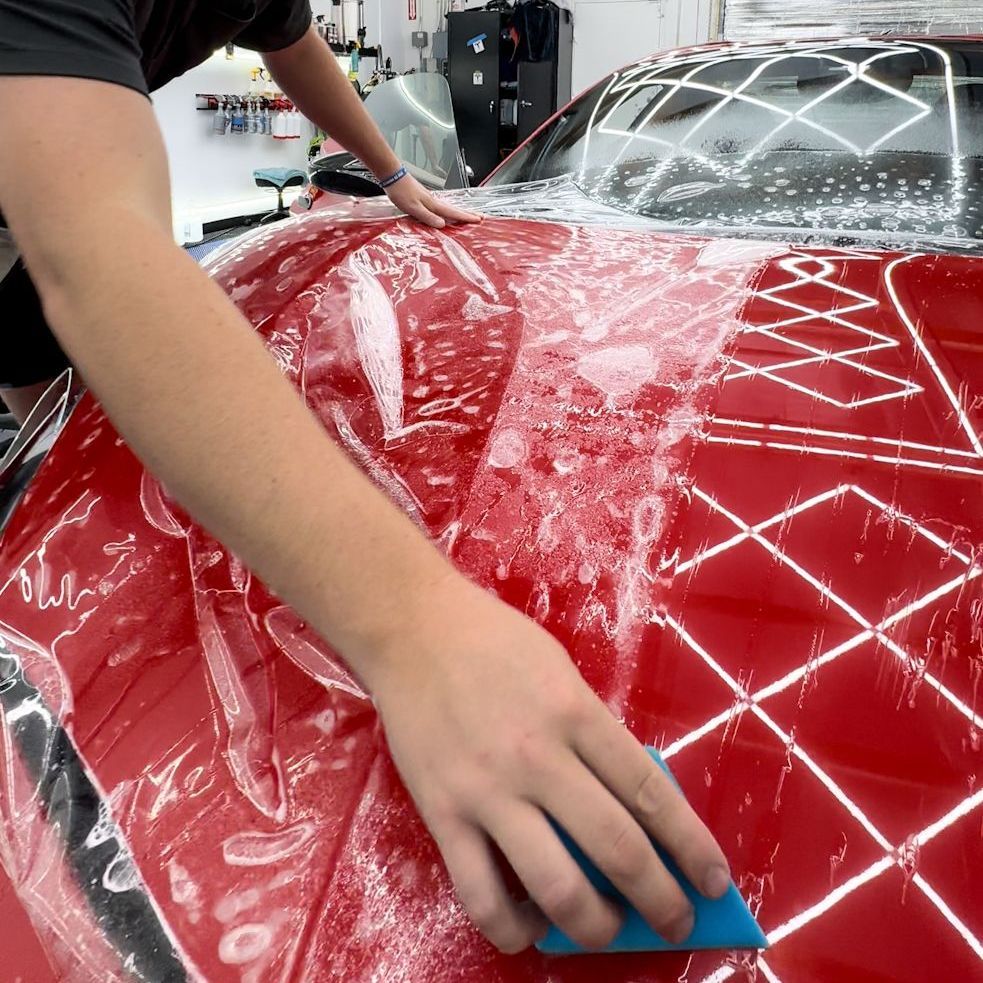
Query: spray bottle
{"x":220,"y":121}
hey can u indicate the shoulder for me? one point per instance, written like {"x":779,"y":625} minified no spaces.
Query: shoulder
{"x":93,"y":39}
{"x":277,"y":25}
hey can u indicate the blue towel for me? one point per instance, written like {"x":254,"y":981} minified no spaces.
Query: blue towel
{"x":279,"y":176}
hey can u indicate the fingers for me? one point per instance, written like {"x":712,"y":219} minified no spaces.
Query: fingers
{"x":509,"y":925}
{"x":620,"y":848}
{"x":453,"y":214}
{"x":625,"y":767}
{"x":434,"y":212}
{"x":553,"y":879}
{"x":421,"y":213}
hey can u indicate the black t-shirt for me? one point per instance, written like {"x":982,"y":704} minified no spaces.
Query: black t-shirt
{"x":142,"y":44}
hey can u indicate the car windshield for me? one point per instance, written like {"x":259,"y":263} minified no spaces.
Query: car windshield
{"x":415,"y":115}
{"x":872,"y":141}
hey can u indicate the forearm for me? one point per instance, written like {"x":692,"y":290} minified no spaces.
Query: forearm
{"x":488,"y":721}
{"x":308,"y":73}
{"x":282,"y":496}
{"x":180,"y":373}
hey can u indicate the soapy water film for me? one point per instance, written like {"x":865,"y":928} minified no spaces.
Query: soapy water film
{"x":739,"y":481}
{"x":868,"y":142}
{"x":747,"y":20}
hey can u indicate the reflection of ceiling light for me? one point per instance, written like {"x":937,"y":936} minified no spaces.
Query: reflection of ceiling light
{"x":657,"y":81}
{"x":426,"y":112}
{"x":651,"y":74}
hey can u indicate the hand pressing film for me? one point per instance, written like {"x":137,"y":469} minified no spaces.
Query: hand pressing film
{"x":494,"y":730}
{"x":408,"y":195}
{"x":721,"y":923}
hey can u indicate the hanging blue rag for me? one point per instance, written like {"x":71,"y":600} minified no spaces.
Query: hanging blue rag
{"x":280,"y":177}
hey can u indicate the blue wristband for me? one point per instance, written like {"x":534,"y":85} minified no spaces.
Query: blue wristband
{"x":393,"y":178}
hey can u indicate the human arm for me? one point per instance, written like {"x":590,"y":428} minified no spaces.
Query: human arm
{"x":308,"y":73}
{"x":489,"y":723}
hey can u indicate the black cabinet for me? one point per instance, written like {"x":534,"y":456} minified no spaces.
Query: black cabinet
{"x":500,"y":100}
{"x":537,"y":83}
{"x":476,"y":51}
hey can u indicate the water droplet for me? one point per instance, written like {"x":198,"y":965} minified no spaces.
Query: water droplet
{"x":121,"y":875}
{"x":244,"y":943}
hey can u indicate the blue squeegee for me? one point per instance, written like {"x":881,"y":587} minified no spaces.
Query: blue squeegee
{"x":722,"y":924}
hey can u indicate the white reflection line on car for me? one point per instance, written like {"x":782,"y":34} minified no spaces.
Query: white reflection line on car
{"x":747,"y":701}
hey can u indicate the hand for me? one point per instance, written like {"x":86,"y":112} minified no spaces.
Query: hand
{"x":493,"y":729}
{"x":408,"y":195}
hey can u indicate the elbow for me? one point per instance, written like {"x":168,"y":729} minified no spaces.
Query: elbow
{"x":57,"y":274}
{"x":80,"y":273}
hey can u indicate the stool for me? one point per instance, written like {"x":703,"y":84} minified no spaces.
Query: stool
{"x":279,"y":178}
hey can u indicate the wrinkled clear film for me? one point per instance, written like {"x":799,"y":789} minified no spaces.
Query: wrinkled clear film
{"x":874,"y":142}
{"x":737,"y":479}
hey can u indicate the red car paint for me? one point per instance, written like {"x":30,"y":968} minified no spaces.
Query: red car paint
{"x":25,"y":960}
{"x":765,"y":561}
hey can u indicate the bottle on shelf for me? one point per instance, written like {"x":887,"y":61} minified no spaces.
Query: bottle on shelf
{"x":220,"y":123}
{"x":280,"y":125}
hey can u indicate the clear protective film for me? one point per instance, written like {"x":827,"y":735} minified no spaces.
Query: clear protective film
{"x":746,"y":20}
{"x":739,"y":480}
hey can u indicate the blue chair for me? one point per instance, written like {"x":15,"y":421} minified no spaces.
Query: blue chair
{"x":279,"y":178}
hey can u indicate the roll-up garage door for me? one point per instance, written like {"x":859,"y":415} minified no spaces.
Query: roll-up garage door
{"x":778,"y":19}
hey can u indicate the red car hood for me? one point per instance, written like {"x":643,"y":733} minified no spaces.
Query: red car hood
{"x":739,"y":481}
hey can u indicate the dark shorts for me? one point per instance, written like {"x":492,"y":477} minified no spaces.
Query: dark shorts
{"x":29,"y":353}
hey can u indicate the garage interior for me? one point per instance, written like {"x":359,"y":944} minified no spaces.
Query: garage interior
{"x":711,"y":370}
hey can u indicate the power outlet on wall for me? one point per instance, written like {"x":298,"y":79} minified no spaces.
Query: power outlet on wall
{"x":187,"y":231}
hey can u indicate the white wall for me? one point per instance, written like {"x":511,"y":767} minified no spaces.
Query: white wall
{"x":608,"y":34}
{"x":212,"y":175}
{"x":397,"y":27}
